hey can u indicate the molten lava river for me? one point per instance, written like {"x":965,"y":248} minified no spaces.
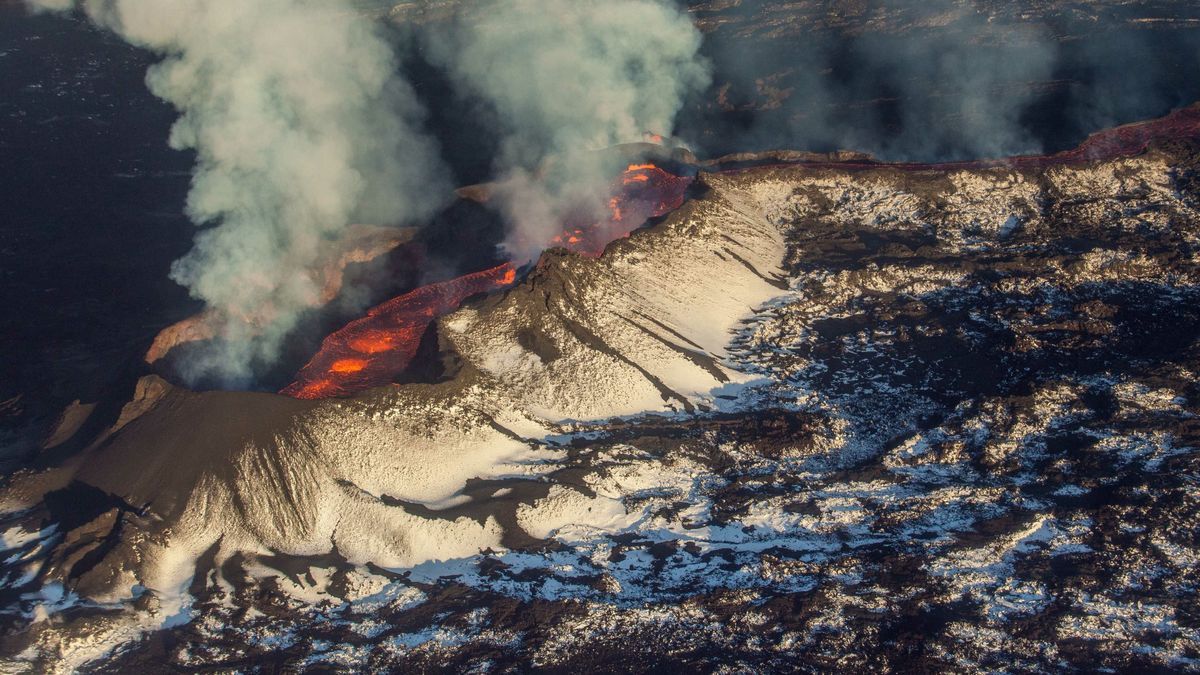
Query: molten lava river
{"x":376,"y":349}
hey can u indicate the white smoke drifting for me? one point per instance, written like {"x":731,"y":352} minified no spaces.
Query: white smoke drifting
{"x":565,"y":78}
{"x":301,"y":126}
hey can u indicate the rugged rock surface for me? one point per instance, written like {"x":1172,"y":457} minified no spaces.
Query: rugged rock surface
{"x":822,"y":416}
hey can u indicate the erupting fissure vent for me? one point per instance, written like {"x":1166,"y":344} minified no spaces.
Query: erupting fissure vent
{"x":374,"y":350}
{"x":642,"y":191}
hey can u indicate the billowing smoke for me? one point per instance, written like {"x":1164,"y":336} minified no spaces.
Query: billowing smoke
{"x":565,"y":79}
{"x":912,"y":80}
{"x":932,"y":80}
{"x":956,"y":98}
{"x":301,"y":126}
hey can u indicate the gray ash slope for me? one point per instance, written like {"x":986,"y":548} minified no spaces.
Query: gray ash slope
{"x":851,"y":417}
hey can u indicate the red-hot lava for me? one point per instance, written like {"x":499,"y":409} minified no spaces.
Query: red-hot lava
{"x":642,"y":191}
{"x":374,"y":350}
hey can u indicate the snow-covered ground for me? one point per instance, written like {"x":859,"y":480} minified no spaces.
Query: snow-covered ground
{"x":869,"y":417}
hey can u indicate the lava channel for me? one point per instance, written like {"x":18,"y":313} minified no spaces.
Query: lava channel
{"x":374,"y":350}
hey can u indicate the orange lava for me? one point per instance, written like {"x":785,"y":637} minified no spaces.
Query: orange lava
{"x":614,"y":209}
{"x":348,"y":366}
{"x":373,"y":344}
{"x":374,"y":350}
{"x":642,"y":191}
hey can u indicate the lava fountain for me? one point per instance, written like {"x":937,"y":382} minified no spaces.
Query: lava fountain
{"x":374,"y":350}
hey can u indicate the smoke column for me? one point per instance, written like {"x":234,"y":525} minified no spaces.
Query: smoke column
{"x":565,"y":78}
{"x":301,"y":126}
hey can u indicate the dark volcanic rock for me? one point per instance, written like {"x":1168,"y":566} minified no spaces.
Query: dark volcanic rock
{"x":961,"y":436}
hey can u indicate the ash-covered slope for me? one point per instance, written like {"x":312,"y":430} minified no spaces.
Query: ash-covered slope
{"x":821,"y":416}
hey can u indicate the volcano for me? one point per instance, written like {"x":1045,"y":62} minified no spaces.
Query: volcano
{"x":898,"y":375}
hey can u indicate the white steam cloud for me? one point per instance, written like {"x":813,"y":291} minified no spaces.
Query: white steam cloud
{"x":565,"y":78}
{"x":301,"y":126}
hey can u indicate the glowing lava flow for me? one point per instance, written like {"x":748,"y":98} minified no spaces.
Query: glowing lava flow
{"x":642,"y":191}
{"x":374,"y":350}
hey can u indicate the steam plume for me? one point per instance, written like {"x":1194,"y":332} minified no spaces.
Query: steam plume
{"x":565,"y":78}
{"x":301,"y":126}
{"x":933,"y":80}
